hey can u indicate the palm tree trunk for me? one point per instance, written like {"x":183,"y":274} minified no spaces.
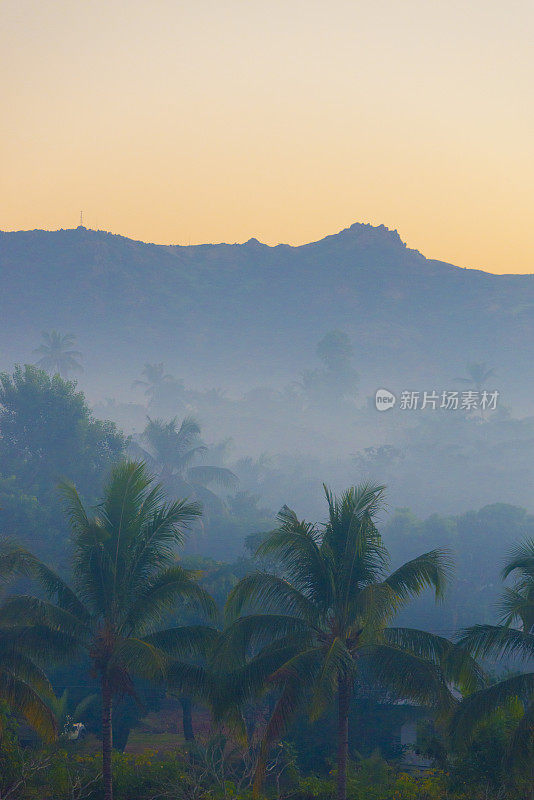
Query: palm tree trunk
{"x":342,"y":735}
{"x":107,"y":739}
{"x":187,"y":719}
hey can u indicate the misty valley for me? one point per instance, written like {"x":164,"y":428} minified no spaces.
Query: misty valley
{"x":266,"y":400}
{"x":312,"y":578}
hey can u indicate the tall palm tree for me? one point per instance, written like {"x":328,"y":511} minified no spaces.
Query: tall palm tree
{"x":513,"y":637}
{"x":174,"y":452}
{"x":328,"y":616}
{"x":24,"y":687}
{"x":125,"y":579}
{"x":57,"y":354}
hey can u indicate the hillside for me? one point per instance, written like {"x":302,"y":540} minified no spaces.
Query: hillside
{"x":243,"y":314}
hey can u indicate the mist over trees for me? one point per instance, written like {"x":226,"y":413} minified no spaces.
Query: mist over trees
{"x":179,"y":603}
{"x":238,"y":316}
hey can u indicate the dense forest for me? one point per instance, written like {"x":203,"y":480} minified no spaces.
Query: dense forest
{"x":171,"y":628}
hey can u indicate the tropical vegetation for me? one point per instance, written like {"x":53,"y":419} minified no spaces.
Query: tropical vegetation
{"x":136,"y":665}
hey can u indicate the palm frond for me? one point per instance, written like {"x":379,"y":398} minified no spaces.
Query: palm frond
{"x":192,"y":679}
{"x":337,"y":661}
{"x":409,"y":676}
{"x":56,"y":587}
{"x":521,"y":559}
{"x":162,"y":529}
{"x":81,"y":707}
{"x":431,"y":570}
{"x":185,"y":641}
{"x":243,"y":680}
{"x":296,"y":544}
{"x":74,"y":507}
{"x":161,"y":593}
{"x":20,"y":665}
{"x":23,"y":699}
{"x":40,"y":642}
{"x":220,"y":476}
{"x":270,"y":593}
{"x":515,"y":607}
{"x":483,"y":640}
{"x":254,"y":632}
{"x":21,"y":610}
{"x":139,"y":657}
{"x":456,"y":663}
{"x":350,"y":532}
{"x":14,"y":560}
{"x":371,"y":608}
{"x":480,"y":705}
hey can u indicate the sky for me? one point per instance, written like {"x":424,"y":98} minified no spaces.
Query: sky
{"x":182,"y":122}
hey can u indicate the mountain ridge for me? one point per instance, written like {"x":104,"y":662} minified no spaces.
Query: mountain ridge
{"x":354,"y":232}
{"x":249,"y":312}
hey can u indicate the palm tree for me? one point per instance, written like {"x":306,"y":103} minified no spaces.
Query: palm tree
{"x":477,"y":375}
{"x":513,"y":637}
{"x":57,"y":355}
{"x":125,"y":579}
{"x":327,"y":616}
{"x":154,"y":379}
{"x":24,"y":687}
{"x":172,"y":452}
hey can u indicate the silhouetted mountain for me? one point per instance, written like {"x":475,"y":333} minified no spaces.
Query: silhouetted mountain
{"x":246,"y":313}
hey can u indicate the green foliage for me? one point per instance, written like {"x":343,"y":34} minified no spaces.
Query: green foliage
{"x":62,"y":774}
{"x":481,"y":763}
{"x":315,"y":626}
{"x":24,"y":687}
{"x":125,"y":579}
{"x":47,"y":433}
{"x":372,"y":778}
{"x":315,"y":616}
{"x":504,"y":641}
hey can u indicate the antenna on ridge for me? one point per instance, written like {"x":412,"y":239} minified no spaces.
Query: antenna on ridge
{"x":81,"y":219}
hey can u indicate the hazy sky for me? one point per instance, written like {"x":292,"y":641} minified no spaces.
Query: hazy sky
{"x":185,"y":121}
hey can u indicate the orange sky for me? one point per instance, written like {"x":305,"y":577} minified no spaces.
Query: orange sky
{"x":185,"y":121}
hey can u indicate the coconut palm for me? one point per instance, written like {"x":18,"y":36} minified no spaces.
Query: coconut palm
{"x":327,"y":616}
{"x":174,"y":452}
{"x":24,"y":687}
{"x":125,"y":579}
{"x":477,"y":375}
{"x":57,"y":355}
{"x":513,"y":637}
{"x":154,"y":380}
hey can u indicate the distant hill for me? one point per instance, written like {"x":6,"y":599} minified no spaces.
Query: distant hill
{"x":245,"y":314}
